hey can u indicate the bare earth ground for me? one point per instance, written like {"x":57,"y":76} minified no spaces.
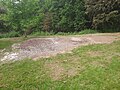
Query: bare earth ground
{"x":44,"y":47}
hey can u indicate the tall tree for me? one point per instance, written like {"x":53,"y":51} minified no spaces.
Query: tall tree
{"x":66,"y":15}
{"x":104,"y":14}
{"x":23,"y":15}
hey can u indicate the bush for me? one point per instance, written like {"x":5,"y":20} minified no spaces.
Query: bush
{"x":103,"y":14}
{"x":41,"y":33}
{"x":88,"y":31}
{"x":10,"y":34}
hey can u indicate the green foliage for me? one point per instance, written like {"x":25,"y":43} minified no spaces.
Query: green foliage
{"x":22,"y":15}
{"x":104,"y":14}
{"x":64,"y":16}
{"x":68,"y":15}
{"x":48,"y":15}
{"x":10,"y":34}
{"x":88,"y":31}
{"x":42,"y":33}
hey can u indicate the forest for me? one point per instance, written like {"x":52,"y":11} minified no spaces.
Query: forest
{"x":24,"y":17}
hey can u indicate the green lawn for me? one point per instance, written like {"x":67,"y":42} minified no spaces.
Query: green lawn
{"x":5,"y":44}
{"x":8,"y":42}
{"x":93,"y":67}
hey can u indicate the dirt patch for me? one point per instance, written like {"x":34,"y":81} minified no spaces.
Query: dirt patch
{"x":71,"y":72}
{"x":56,"y":71}
{"x":94,"y":53}
{"x":97,"y":64}
{"x":46,"y":47}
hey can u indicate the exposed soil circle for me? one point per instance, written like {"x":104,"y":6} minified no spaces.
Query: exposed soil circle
{"x":45,"y":47}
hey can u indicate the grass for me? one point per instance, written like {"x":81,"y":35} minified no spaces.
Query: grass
{"x":93,"y":67}
{"x":6,"y":43}
{"x":86,"y":31}
{"x":42,"y":33}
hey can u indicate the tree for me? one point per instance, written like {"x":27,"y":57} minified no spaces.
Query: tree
{"x":64,"y":15}
{"x":104,"y":14}
{"x":22,"y":15}
{"x":2,"y":18}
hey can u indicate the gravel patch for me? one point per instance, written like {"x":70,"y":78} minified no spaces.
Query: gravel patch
{"x":45,"y":47}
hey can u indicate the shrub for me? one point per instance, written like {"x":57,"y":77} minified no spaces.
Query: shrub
{"x":10,"y":34}
{"x":42,"y":33}
{"x":88,"y":31}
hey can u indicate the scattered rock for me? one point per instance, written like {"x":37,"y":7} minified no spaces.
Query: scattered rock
{"x":10,"y":56}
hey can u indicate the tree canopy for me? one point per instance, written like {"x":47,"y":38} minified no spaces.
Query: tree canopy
{"x":104,"y":14}
{"x":27,"y":16}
